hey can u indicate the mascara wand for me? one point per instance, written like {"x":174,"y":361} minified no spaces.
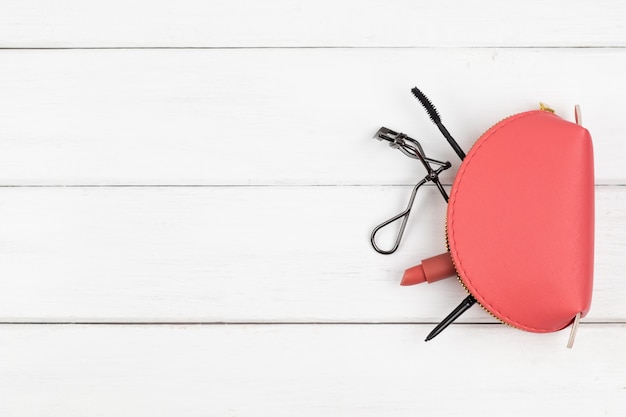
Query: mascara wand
{"x":434,"y":116}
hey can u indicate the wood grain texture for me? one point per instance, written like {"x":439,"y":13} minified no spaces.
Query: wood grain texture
{"x":288,"y":23}
{"x":281,"y":116}
{"x":242,"y":254}
{"x":309,"y":371}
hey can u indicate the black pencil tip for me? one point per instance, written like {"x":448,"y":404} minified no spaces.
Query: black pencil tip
{"x":431,"y":335}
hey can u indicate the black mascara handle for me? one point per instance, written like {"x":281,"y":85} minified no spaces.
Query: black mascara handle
{"x":451,"y":141}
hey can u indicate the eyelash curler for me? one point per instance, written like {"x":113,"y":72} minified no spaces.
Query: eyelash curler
{"x":411,"y":148}
{"x":520,"y":220}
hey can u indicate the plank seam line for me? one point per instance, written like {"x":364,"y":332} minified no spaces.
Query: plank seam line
{"x":199,"y":323}
{"x":233,"y":185}
{"x":95,"y":48}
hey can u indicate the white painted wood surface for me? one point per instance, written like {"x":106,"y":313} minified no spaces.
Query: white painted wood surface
{"x":304,"y":370}
{"x":233,"y":254}
{"x":310,"y":23}
{"x":194,"y":183}
{"x":281,"y":116}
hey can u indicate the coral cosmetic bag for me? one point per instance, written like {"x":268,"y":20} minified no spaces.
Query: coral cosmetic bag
{"x":520,"y":223}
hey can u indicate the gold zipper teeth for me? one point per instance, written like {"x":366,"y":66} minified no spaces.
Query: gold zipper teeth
{"x":458,"y":276}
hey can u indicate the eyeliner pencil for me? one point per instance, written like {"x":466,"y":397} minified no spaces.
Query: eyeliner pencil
{"x":460,"y":309}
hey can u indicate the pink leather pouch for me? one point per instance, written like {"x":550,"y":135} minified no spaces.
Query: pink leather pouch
{"x":520,"y":223}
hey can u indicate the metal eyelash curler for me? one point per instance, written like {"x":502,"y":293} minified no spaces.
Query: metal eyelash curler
{"x":411,"y":148}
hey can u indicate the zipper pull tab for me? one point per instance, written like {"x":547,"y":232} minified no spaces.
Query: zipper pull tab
{"x":578,"y":115}
{"x":545,"y":107}
{"x":572,"y":334}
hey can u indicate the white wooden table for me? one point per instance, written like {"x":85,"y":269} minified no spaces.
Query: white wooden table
{"x":187,"y":190}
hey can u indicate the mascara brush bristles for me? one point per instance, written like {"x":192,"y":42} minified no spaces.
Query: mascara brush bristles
{"x":428,"y":106}
{"x":434,"y":116}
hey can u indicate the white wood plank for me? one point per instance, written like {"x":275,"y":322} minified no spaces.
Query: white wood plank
{"x":309,"y":371}
{"x":280,"y":116}
{"x":240,"y":254}
{"x":248,"y":23}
